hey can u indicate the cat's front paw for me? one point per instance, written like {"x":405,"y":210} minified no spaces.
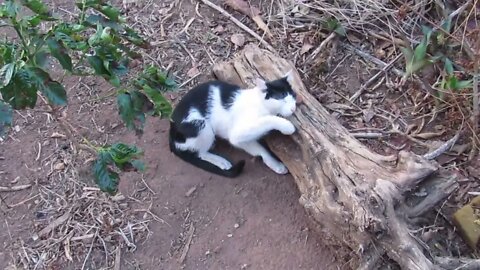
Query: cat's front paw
{"x":287,"y":128}
{"x":279,"y":168}
{"x":276,"y":166}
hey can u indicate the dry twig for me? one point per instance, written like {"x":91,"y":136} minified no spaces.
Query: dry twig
{"x":239,"y":24}
{"x":187,"y":245}
{"x":14,"y":188}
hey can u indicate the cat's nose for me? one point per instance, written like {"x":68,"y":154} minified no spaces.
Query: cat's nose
{"x":298,"y":100}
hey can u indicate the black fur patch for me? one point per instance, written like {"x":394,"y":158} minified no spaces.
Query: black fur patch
{"x":279,"y":89}
{"x":199,"y":98}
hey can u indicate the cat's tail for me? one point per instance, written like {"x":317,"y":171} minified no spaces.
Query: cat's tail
{"x":192,"y":158}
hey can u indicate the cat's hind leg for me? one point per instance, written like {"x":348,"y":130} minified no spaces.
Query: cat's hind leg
{"x":201,"y":143}
{"x":254,"y":148}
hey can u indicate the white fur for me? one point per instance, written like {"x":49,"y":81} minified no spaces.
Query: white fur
{"x":250,"y":117}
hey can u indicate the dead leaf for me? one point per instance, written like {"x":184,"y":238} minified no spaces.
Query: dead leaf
{"x":368,"y":115}
{"x":251,"y":11}
{"x":193,"y":72}
{"x":307,"y":44}
{"x":238,"y":39}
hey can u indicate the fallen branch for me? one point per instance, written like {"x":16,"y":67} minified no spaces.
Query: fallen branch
{"x":239,"y":24}
{"x":340,"y":180}
{"x":443,"y":148}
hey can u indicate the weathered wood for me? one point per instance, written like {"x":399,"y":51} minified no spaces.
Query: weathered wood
{"x":354,"y":195}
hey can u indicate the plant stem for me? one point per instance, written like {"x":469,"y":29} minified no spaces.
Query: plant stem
{"x":82,"y":15}
{"x":89,"y":144}
{"x":22,"y":38}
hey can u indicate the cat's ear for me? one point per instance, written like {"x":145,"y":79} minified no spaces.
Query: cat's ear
{"x":289,"y":76}
{"x":261,"y":84}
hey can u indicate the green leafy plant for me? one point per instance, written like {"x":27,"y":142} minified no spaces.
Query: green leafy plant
{"x":333,"y":25}
{"x":435,"y":48}
{"x":96,"y":43}
{"x":120,"y":156}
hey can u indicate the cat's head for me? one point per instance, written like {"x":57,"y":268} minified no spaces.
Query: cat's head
{"x":279,"y":95}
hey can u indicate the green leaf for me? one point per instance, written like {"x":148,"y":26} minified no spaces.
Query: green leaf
{"x":447,"y":24}
{"x":9,"y":9}
{"x":141,"y":103}
{"x":162,"y":107}
{"x":20,"y":92}
{"x":126,"y":109}
{"x":6,"y":117}
{"x":7,"y":53}
{"x":138,"y":164}
{"x":464,"y":84}
{"x":156,"y":79}
{"x":122,"y":153}
{"x":96,"y":39}
{"x":111,"y":12}
{"x":135,"y":38}
{"x":60,"y":52}
{"x":106,"y":179}
{"x":97,"y":65}
{"x":407,"y":53}
{"x":341,"y":30}
{"x":70,"y":43}
{"x":94,"y":20}
{"x":34,"y":21}
{"x":132,"y":107}
{"x":37,"y":6}
{"x":331,"y":24}
{"x":420,"y":51}
{"x":53,"y":90}
{"x":83,"y":4}
{"x":6,"y":74}
{"x":41,"y":58}
{"x":448,"y":66}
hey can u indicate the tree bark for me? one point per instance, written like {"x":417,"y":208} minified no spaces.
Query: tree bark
{"x":355,"y":196}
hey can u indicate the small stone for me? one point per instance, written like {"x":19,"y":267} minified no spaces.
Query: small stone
{"x":238,"y":39}
{"x":219,"y":29}
{"x":236,"y":225}
{"x":208,"y":253}
{"x":244,"y":266}
{"x":16,"y":128}
{"x":229,"y":235}
{"x":59,"y":166}
{"x":466,"y":221}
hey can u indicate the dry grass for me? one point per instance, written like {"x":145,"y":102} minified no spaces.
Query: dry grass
{"x":78,"y":223}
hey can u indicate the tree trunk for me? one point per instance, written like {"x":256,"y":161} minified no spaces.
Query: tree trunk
{"x":355,"y":196}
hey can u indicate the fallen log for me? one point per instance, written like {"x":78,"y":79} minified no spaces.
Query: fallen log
{"x":355,"y":197}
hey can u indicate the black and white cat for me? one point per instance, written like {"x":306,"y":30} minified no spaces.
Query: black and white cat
{"x":241,"y":116}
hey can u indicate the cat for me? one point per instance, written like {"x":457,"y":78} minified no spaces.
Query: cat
{"x":240,"y":116}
